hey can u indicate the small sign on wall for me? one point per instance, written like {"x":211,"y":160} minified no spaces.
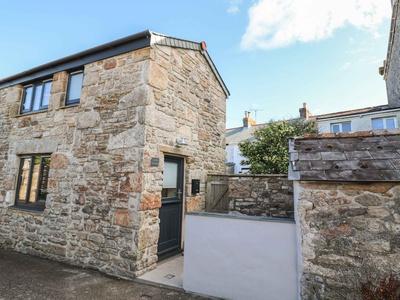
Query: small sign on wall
{"x":154,"y":162}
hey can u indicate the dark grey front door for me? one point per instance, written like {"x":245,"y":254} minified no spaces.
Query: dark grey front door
{"x":169,"y":242}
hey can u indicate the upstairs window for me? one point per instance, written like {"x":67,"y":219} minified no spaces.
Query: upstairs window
{"x":36,"y":96}
{"x":384,"y":123}
{"x":74,"y":88}
{"x":341,"y":127}
{"x":32,"y":181}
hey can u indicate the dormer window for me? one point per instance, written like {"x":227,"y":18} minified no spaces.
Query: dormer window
{"x":36,"y":96}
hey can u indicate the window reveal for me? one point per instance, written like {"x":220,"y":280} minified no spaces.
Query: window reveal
{"x":33,"y":180}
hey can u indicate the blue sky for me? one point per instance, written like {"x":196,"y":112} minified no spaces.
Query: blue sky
{"x":272,"y":54}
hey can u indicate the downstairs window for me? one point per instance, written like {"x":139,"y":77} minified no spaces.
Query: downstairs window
{"x":32,"y":181}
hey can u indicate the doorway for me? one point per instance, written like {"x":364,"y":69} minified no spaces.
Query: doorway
{"x":170,"y":213}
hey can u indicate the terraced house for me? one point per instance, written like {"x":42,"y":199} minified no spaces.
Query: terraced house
{"x":99,"y":150}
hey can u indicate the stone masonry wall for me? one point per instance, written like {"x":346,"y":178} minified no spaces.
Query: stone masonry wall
{"x":184,"y":100}
{"x":91,"y":216}
{"x":103,"y":195}
{"x":393,"y":73}
{"x":350,"y":236}
{"x":261,"y":195}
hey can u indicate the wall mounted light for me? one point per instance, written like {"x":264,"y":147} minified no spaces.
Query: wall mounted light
{"x":181,"y":141}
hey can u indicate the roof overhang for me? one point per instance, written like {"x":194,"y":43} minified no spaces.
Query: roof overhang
{"x":133,"y":42}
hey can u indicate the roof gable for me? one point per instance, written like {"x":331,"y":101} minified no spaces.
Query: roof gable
{"x":130,"y":43}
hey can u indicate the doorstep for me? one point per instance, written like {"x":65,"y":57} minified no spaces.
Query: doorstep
{"x":169,"y":272}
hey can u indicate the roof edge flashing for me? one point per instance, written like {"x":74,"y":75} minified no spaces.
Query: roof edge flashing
{"x":71,"y":61}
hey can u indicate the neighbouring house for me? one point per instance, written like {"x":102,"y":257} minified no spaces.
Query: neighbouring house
{"x":236,"y":135}
{"x":233,"y":137}
{"x":363,"y":119}
{"x":98,"y":152}
{"x":378,"y":117}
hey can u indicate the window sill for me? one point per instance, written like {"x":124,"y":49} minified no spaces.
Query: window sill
{"x":27,"y":208}
{"x":31,"y":113}
{"x":68,"y":106}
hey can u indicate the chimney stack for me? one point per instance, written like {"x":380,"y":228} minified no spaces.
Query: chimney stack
{"x":247,"y":121}
{"x":304,"y":112}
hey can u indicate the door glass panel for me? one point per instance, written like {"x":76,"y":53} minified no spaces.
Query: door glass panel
{"x":170,"y":178}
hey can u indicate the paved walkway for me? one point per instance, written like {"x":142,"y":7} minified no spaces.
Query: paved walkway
{"x":30,"y":278}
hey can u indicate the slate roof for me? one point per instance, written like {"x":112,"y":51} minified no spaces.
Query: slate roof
{"x":130,"y":43}
{"x":367,"y":156}
{"x":239,"y":134}
{"x":353,"y":112}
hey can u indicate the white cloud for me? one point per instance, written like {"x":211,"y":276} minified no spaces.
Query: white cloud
{"x":234,"y":6}
{"x":278,"y":23}
{"x":362,"y":62}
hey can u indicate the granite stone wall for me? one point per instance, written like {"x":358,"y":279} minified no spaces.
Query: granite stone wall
{"x":349,"y":237}
{"x":103,"y":194}
{"x":261,"y":195}
{"x":392,"y":75}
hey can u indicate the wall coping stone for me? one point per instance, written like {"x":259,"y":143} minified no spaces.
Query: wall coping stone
{"x":242,"y":217}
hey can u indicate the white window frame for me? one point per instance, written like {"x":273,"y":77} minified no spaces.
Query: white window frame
{"x":385,"y":122}
{"x":340,"y":126}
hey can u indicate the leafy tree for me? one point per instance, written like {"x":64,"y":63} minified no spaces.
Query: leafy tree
{"x":268,"y":153}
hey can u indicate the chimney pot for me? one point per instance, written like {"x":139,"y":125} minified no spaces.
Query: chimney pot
{"x":304,"y":112}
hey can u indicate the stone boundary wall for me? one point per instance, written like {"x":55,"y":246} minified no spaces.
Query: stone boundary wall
{"x":349,"y":236}
{"x":261,"y":195}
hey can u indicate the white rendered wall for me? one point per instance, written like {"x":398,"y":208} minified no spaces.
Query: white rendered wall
{"x":236,"y":258}
{"x":358,"y":122}
{"x":233,"y":155}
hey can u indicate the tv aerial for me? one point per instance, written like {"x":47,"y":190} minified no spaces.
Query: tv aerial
{"x":255,"y":113}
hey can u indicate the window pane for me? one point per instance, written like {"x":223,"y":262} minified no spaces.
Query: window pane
{"x":390,"y":123}
{"x":346,"y":127}
{"x":37,"y":97}
{"x":44,"y":178}
{"x":28,"y":99}
{"x":377,"y":124}
{"x":35,"y":179}
{"x":24,"y":179}
{"x":46,"y":93}
{"x":75,"y":87}
{"x":335,"y":128}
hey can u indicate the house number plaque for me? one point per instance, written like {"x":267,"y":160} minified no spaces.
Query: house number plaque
{"x":155,"y":162}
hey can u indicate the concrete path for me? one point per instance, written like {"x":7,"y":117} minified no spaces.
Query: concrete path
{"x":28,"y":277}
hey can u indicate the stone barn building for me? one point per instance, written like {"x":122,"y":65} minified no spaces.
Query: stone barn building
{"x":99,"y":152}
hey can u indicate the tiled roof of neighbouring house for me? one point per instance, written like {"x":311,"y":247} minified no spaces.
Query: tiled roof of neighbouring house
{"x":239,"y":134}
{"x":360,"y":156}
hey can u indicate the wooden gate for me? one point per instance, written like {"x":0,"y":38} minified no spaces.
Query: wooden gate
{"x":217,"y":196}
